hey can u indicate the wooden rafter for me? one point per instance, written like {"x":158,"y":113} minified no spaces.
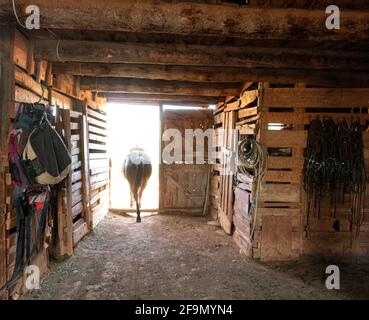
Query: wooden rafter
{"x":123,"y":85}
{"x":334,"y":78}
{"x":198,"y":55}
{"x":194,"y":19}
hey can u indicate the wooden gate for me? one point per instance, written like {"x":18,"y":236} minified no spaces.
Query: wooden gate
{"x":83,"y":199}
{"x":183,"y":185}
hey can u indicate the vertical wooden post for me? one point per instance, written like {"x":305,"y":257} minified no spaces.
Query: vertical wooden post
{"x":59,"y":249}
{"x":226,"y":214}
{"x":69,"y":222}
{"x":85,"y":169}
{"x":7,"y":93}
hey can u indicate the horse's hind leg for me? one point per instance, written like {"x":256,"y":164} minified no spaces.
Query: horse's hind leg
{"x":138,"y":210}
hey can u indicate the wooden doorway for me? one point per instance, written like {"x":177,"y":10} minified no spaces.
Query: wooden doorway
{"x":183,"y":186}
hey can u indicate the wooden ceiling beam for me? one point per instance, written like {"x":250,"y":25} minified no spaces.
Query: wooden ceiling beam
{"x":334,"y":78}
{"x":194,"y":19}
{"x":160,"y":98}
{"x":123,"y":85}
{"x":198,"y":55}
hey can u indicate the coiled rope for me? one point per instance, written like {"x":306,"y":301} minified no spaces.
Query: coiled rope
{"x":252,"y":161}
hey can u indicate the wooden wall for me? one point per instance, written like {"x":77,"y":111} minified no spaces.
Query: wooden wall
{"x":280,"y":232}
{"x":77,"y":204}
{"x":234,"y":113}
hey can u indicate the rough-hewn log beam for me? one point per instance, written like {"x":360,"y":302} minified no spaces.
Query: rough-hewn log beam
{"x":197,"y":55}
{"x":334,"y":78}
{"x":311,"y":4}
{"x":160,"y":98}
{"x":153,"y":72}
{"x":194,"y":18}
{"x":123,"y":85}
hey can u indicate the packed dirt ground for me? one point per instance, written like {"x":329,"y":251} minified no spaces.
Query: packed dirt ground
{"x":183,"y":257}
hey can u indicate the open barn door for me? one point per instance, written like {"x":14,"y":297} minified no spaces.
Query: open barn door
{"x":183,"y":183}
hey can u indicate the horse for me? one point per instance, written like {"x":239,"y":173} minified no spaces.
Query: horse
{"x":137,"y":170}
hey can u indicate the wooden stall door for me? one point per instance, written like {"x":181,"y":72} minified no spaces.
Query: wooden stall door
{"x":83,"y":199}
{"x":183,"y":186}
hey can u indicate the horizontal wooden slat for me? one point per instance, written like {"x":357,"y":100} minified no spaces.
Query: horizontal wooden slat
{"x":248,"y":97}
{"x":247,"y":112}
{"x":76,"y":197}
{"x":246,"y":129}
{"x":98,"y":213}
{"x":96,"y":122}
{"x":95,"y":137}
{"x":95,"y":146}
{"x":79,"y":231}
{"x":282,"y":117}
{"x":96,"y":155}
{"x":98,"y":196}
{"x":285,"y":163}
{"x":99,"y":170}
{"x":76,"y":186}
{"x":76,"y":176}
{"x":96,"y":114}
{"x":232,"y":106}
{"x":74,"y":125}
{"x":99,"y":177}
{"x":315,"y":98}
{"x":283,"y":138}
{"x":283,"y":176}
{"x":279,"y":192}
{"x":75,"y":137}
{"x":24,"y":95}
{"x":305,"y":118}
{"x":96,"y":130}
{"x":99,"y":163}
{"x":76,"y":165}
{"x":98,"y":185}
{"x":75,"y":114}
{"x":278,"y":211}
{"x":77,"y":209}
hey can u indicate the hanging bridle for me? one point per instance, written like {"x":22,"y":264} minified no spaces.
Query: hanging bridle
{"x":334,"y":166}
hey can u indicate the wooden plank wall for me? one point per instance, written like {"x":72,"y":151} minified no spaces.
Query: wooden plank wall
{"x":25,"y":86}
{"x":234,"y":113}
{"x":99,"y":164}
{"x":281,"y":228}
{"x":248,"y":115}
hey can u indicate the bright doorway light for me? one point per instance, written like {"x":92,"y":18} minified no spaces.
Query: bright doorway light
{"x":132,"y":125}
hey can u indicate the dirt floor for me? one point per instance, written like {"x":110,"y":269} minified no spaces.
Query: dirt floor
{"x":183,"y":257}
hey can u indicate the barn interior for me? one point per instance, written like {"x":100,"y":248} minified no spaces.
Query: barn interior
{"x":122,"y":73}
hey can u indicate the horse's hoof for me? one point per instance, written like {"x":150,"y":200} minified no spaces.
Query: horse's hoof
{"x":138,"y":220}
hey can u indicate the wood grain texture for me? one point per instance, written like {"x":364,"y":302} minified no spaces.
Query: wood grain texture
{"x":195,"y":19}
